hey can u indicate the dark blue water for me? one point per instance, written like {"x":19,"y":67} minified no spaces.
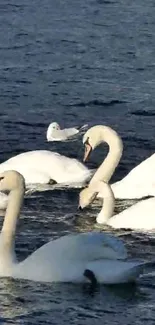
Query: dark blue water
{"x":76,"y":62}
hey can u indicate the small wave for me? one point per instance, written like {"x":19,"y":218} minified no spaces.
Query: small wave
{"x":139,"y":142}
{"x":25,"y":123}
{"x":22,"y":34}
{"x":105,"y":2}
{"x":23,"y":82}
{"x":14,"y":47}
{"x":98,"y":102}
{"x":143,"y":113}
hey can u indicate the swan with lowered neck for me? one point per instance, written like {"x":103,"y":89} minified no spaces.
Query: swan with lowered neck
{"x":43,"y":167}
{"x":140,"y":182}
{"x":72,"y":258}
{"x":140,"y":215}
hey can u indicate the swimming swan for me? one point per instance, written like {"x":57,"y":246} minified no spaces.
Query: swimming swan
{"x":72,"y":258}
{"x":55,"y":133}
{"x":140,"y":216}
{"x":43,"y":167}
{"x":140,"y":182}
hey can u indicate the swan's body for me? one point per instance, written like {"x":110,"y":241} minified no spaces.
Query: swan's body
{"x":139,"y":216}
{"x":65,"y":259}
{"x":55,"y":133}
{"x":42,"y":166}
{"x":139,"y":183}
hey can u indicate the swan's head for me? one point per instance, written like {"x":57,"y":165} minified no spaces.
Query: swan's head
{"x":98,"y":134}
{"x":86,"y":196}
{"x":91,"y":139}
{"x":11,"y":180}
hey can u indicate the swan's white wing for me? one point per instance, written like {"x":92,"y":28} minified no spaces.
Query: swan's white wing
{"x":140,"y":182}
{"x":85,"y":246}
{"x":45,"y":165}
{"x":139,"y":216}
{"x":93,"y":245}
{"x":102,"y":245}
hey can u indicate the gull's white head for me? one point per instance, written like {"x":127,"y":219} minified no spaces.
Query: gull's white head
{"x":54,"y":126}
{"x":52,"y":130}
{"x":11,"y":180}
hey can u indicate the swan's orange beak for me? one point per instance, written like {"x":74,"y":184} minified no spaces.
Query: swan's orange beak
{"x":87,"y":152}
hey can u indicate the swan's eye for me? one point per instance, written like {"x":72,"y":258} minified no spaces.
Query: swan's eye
{"x":1,"y":178}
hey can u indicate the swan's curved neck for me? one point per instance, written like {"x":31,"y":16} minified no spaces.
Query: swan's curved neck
{"x":107,"y":168}
{"x":9,"y":225}
{"x":108,"y":203}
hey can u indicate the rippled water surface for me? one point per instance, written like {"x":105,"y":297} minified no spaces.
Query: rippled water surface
{"x":76,"y":62}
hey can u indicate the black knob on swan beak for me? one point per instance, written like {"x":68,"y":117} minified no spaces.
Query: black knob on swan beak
{"x":79,"y":207}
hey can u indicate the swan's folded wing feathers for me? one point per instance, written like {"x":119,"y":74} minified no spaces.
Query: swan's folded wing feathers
{"x":116,"y":244}
{"x":89,"y":246}
{"x":97,"y":245}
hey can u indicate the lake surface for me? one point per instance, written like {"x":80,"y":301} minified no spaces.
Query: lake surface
{"x":76,"y":62}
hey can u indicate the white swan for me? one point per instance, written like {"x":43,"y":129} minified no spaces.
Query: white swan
{"x":140,"y":182}
{"x":72,"y":258}
{"x":43,"y":167}
{"x":140,"y":216}
{"x":55,"y":133}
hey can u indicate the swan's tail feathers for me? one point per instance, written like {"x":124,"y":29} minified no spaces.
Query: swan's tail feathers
{"x":118,"y":271}
{"x":91,"y":277}
{"x":52,"y":182}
